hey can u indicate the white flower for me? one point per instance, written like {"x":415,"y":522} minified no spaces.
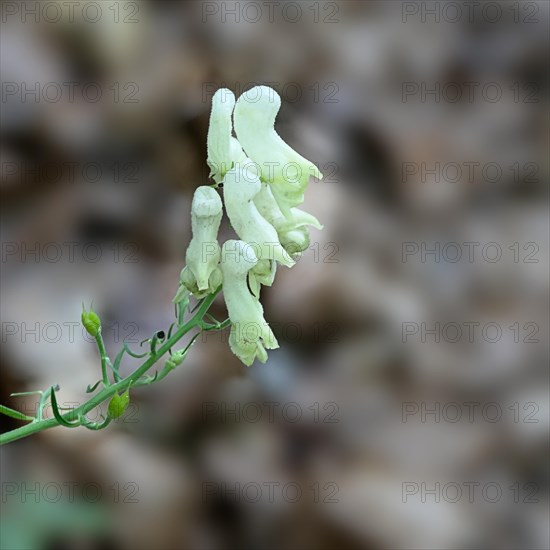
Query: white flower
{"x":223,"y":149}
{"x":201,"y":275}
{"x":240,"y":185}
{"x":284,"y":169}
{"x":250,"y":334}
{"x":263,"y":182}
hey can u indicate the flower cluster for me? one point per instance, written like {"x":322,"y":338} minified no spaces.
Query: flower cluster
{"x":263,"y":181}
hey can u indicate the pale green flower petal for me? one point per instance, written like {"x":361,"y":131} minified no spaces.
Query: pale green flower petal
{"x":292,"y":231}
{"x":296,"y":240}
{"x":269,"y":209}
{"x":263,"y":273}
{"x":223,"y":149}
{"x":301,"y":218}
{"x":283,"y":168}
{"x":183,"y":292}
{"x":240,"y":185}
{"x":250,"y":333}
{"x":188,"y":284}
{"x":246,"y":350}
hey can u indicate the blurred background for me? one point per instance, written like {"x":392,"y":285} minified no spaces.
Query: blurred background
{"x":407,"y":406}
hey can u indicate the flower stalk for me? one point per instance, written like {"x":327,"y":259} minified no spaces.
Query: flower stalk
{"x":77,"y":416}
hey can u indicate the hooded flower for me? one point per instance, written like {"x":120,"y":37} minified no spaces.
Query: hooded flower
{"x":223,"y":149}
{"x":284,"y":169}
{"x":240,"y":185}
{"x":201,"y":275}
{"x":250,"y":334}
{"x":264,"y":181}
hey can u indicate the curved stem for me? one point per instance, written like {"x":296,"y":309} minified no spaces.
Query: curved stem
{"x":109,"y":391}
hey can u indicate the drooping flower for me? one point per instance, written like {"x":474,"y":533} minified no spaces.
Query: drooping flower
{"x":223,"y":149}
{"x":284,"y":169}
{"x":201,"y":274}
{"x":240,"y":185}
{"x":250,"y":334}
{"x":264,"y":181}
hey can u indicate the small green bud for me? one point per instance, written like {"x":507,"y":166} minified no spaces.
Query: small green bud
{"x":175,"y":359}
{"x":91,"y":321}
{"x":118,"y":404}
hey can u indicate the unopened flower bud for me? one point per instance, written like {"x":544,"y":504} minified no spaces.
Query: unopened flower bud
{"x":91,"y":321}
{"x":175,"y":359}
{"x":118,"y":404}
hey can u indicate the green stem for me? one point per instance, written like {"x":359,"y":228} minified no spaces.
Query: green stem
{"x":103,"y":355}
{"x":109,"y":391}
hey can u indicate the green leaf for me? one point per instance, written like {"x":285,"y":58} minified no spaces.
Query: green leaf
{"x":14,"y":414}
{"x":95,"y":425}
{"x":92,"y":387}
{"x":57,"y":414}
{"x":132,"y":354}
